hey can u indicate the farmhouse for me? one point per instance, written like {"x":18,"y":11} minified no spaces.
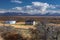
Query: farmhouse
{"x":17,"y":20}
{"x":28,"y":20}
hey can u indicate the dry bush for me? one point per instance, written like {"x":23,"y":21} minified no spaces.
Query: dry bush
{"x":11,"y":33}
{"x":12,"y":36}
{"x":45,"y":32}
{"x":42,"y":32}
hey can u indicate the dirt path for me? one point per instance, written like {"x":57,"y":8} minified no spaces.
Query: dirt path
{"x":1,"y":38}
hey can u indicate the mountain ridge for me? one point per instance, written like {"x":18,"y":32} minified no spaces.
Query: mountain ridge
{"x":27,"y":14}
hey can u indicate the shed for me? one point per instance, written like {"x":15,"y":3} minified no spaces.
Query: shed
{"x":10,"y":22}
{"x":30,"y":22}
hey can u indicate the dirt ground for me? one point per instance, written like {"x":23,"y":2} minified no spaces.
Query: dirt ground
{"x":19,"y":26}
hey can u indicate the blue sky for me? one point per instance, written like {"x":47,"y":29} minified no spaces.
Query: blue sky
{"x":8,"y":4}
{"x":30,"y":6}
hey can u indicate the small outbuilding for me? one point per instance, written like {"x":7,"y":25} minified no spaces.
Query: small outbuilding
{"x":30,"y":22}
{"x":10,"y":22}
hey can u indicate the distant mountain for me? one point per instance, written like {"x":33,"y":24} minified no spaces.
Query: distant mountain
{"x":52,"y":14}
{"x":14,"y":14}
{"x":26,"y":14}
{"x":47,"y":14}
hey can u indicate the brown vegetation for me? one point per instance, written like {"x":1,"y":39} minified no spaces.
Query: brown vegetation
{"x":42,"y":32}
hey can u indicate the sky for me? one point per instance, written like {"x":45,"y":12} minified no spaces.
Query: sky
{"x":30,"y":6}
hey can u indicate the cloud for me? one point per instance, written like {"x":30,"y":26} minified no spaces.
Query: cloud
{"x":3,"y":11}
{"x":16,"y":1}
{"x":17,"y":8}
{"x":43,"y":6}
{"x":53,"y":11}
{"x":36,"y":8}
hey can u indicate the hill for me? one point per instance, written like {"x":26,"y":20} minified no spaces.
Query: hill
{"x":27,"y":14}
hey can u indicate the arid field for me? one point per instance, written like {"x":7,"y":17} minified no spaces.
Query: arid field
{"x":45,"y":29}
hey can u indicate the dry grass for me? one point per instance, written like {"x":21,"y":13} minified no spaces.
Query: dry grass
{"x":23,"y":32}
{"x":11,"y":33}
{"x":19,"y":25}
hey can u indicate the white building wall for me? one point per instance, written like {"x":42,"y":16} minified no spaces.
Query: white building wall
{"x":10,"y":22}
{"x":34,"y":22}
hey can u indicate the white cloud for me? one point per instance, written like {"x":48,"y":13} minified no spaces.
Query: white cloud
{"x":36,"y":8}
{"x":43,"y":6}
{"x":53,"y":11}
{"x":28,"y":6}
{"x":16,"y":1}
{"x":2,"y":11}
{"x":52,"y":6}
{"x":37,"y":3}
{"x":17,"y":8}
